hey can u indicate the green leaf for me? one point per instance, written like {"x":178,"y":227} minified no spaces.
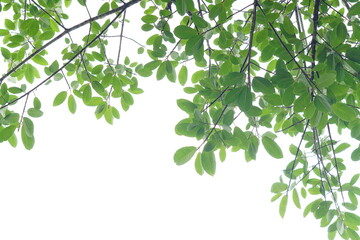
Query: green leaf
{"x":288,"y":26}
{"x":6,"y":53}
{"x":322,"y":103}
{"x":354,"y":178}
{"x":35,"y":113}
{"x":87,"y":94}
{"x":198,"y":167}
{"x":282,"y":78}
{"x":184,"y":154}
{"x":67,"y":3}
{"x":355,"y":132}
{"x":115,"y":113}
{"x":199,"y":21}
{"x":272,"y":147}
{"x":267,"y":53}
{"x":344,"y":112}
{"x":12,"y":118}
{"x":40,"y":60}
{"x":128,"y":99}
{"x":216,"y":11}
{"x":13,"y":140}
{"x":263,"y":85}
{"x":185,"y":32}
{"x":186,"y":105}
{"x":28,"y":127}
{"x":104,"y":8}
{"x":283,"y":204}
{"x":234,"y":78}
{"x":340,"y":226}
{"x":209,"y":146}
{"x":232,"y":95}
{"x":326,"y":79}
{"x":245,"y":99}
{"x":275,"y":197}
{"x":37,"y":103}
{"x":296,"y":199}
{"x":355,"y":155}
{"x":353,"y":54}
{"x":72,"y":104}
{"x":323,"y":209}
{"x":352,"y":234}
{"x":208,"y":162}
{"x":180,"y":6}
{"x":98,"y":87}
{"x":100,"y":109}
{"x":194,"y":44}
{"x":7,"y":132}
{"x":17,"y":39}
{"x":10,"y":25}
{"x":278,"y":187}
{"x":28,"y":141}
{"x":30,"y":27}
{"x":302,"y":102}
{"x":161,"y":72}
{"x":149,"y":18}
{"x":222,"y":154}
{"x":60,"y":98}
{"x":342,"y":147}
{"x":108,"y":115}
{"x":355,"y":9}
{"x":183,"y":75}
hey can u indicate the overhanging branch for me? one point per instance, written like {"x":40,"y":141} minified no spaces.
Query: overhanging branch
{"x":66,"y":31}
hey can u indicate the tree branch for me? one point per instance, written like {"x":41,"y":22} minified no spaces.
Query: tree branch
{"x":90,"y":20}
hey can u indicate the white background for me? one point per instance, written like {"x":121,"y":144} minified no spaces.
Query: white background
{"x":85,"y":179}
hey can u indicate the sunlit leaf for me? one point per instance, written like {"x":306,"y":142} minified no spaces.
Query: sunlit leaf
{"x":184,"y":154}
{"x":272,"y":147}
{"x":208,"y":162}
{"x":283,"y":204}
{"x":60,"y":98}
{"x":344,"y":112}
{"x":72,"y":104}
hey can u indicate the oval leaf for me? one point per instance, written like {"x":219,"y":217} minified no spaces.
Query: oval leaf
{"x":184,"y":154}
{"x":272,"y":147}
{"x":208,"y":162}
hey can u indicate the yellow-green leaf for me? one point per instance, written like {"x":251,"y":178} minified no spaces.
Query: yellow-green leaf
{"x":283,"y":204}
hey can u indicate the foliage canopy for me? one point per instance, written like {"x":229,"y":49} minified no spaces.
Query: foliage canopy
{"x":279,"y":66}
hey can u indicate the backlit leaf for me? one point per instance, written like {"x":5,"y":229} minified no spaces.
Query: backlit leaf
{"x":186,"y":105}
{"x":60,"y":98}
{"x":355,"y":155}
{"x":296,"y":198}
{"x":263,"y":85}
{"x":28,"y":127}
{"x":194,"y":44}
{"x":278,"y":187}
{"x":344,"y":112}
{"x":40,"y":60}
{"x":208,"y":162}
{"x":272,"y":147}
{"x":283,"y":204}
{"x":184,"y":154}
{"x":245,"y":99}
{"x":7,"y":132}
{"x":72,"y":104}
{"x":198,"y":167}
{"x":183,"y":75}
